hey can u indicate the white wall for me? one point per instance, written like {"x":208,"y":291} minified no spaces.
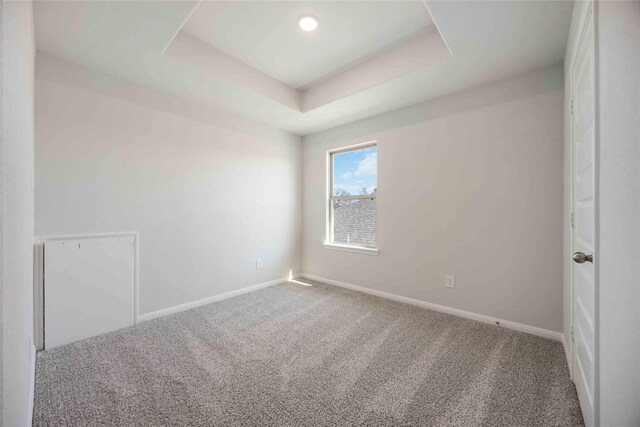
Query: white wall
{"x":617,"y":33}
{"x":469,"y":185}
{"x":209,"y":192}
{"x":16,"y":215}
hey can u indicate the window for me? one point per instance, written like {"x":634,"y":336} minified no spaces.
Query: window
{"x":353,"y":187}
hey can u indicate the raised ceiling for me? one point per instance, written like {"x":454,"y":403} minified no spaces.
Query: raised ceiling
{"x":266,"y":36}
{"x":249,"y":58}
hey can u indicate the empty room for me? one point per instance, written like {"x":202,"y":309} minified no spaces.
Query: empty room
{"x":319,"y":213}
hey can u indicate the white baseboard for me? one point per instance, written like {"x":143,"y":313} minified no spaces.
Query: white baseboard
{"x":568,"y":355}
{"x":208,"y":300}
{"x":545,"y":333}
{"x":32,"y":390}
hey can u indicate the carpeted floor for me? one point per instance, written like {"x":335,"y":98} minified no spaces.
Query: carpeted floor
{"x":295,"y":355}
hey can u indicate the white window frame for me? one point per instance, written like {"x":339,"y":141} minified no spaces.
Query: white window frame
{"x":328,"y":243}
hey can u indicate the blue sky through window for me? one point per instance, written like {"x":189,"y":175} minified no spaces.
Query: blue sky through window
{"x":356,"y":170}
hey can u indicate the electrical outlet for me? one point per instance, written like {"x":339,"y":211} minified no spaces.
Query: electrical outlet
{"x":258,"y":264}
{"x":450,"y":281}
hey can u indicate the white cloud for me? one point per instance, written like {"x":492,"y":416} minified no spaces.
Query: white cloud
{"x":368,"y":165}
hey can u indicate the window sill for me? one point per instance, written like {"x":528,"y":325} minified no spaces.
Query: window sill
{"x":354,"y":249}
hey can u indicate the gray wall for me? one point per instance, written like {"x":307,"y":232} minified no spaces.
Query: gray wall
{"x":209,"y":192}
{"x":618,"y":258}
{"x":469,"y":185}
{"x":16,"y":215}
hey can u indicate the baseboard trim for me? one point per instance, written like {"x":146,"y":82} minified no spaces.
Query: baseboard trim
{"x":568,"y":355}
{"x":533,"y":330}
{"x":208,"y":300}
{"x":32,"y":389}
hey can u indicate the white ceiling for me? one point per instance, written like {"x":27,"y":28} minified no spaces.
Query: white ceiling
{"x":160,"y":45}
{"x":266,"y":36}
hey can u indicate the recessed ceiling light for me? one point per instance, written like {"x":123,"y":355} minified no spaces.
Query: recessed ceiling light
{"x":308,"y":23}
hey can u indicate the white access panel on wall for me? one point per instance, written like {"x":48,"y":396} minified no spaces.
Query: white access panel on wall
{"x":89,"y":286}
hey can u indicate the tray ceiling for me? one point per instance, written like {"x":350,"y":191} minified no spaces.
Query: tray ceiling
{"x":249,"y":58}
{"x":265,"y":35}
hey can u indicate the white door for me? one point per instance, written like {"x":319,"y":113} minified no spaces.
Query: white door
{"x":89,"y":287}
{"x":583,"y":177}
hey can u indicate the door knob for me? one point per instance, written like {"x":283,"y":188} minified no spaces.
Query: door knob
{"x":581,"y":258}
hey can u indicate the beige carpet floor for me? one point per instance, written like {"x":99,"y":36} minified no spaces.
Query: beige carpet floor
{"x":295,"y":355}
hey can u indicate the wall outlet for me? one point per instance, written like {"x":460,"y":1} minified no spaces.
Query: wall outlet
{"x":450,"y":281}
{"x":258,"y":264}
